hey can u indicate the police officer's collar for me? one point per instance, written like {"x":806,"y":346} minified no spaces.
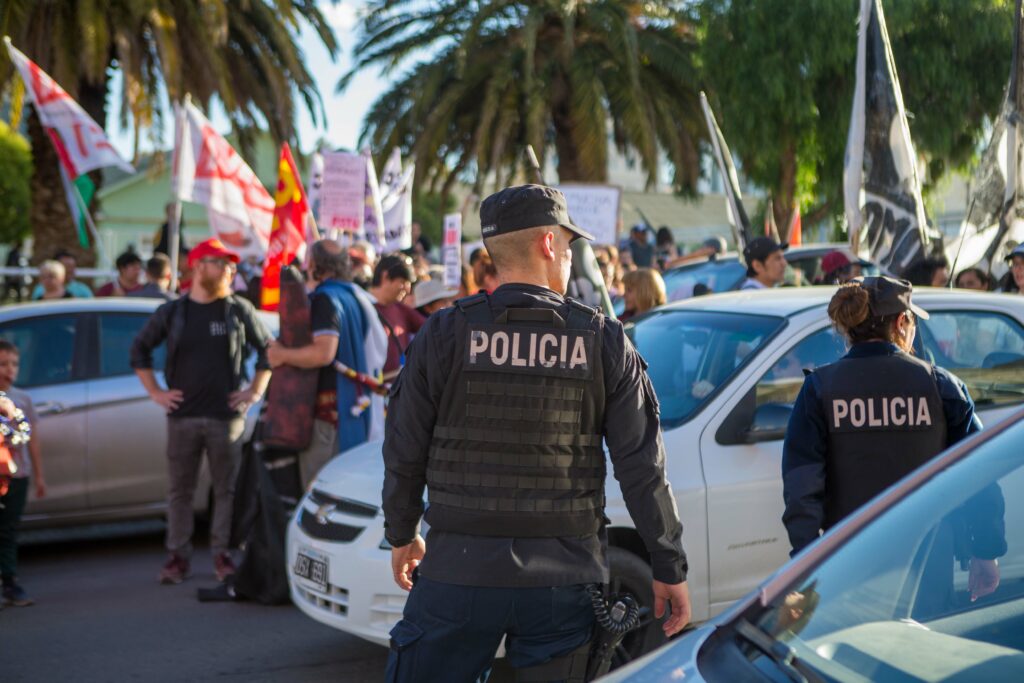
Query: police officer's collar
{"x":872,"y":348}
{"x":522,"y":287}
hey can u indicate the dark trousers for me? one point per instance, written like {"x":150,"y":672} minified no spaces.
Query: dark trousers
{"x":187,"y":439}
{"x":13,"y":503}
{"x":450,"y":633}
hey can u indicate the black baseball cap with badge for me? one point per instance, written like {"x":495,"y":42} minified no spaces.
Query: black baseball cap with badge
{"x":889,"y":296}
{"x":526,"y":206}
{"x":760,"y":248}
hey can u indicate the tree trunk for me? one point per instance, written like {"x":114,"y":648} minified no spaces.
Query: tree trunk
{"x":52,"y":226}
{"x":786,"y":191}
{"x":570,"y":166}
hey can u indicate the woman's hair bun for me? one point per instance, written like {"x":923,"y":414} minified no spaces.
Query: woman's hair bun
{"x":850,"y":306}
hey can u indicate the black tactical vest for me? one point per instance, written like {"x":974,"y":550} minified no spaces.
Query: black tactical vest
{"x":516,"y":449}
{"x":885,"y":419}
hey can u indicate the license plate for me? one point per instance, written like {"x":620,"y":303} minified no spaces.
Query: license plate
{"x":312,"y":567}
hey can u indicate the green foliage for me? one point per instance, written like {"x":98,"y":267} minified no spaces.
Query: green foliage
{"x":15,"y":172}
{"x":563,"y":76}
{"x":246,"y":54}
{"x":780,"y":76}
{"x":428,"y":210}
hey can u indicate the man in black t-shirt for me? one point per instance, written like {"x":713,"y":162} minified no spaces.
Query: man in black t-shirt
{"x":209,"y":335}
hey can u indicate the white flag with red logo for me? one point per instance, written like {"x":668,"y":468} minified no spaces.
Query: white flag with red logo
{"x":208,"y":171}
{"x":81,"y":144}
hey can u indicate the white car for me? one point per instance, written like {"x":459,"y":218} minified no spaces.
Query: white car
{"x":726,"y":369}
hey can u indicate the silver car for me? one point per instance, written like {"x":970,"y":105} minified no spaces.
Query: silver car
{"x":103,"y":440}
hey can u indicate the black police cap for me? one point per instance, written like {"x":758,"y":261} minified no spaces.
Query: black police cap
{"x":526,"y":206}
{"x":889,"y":296}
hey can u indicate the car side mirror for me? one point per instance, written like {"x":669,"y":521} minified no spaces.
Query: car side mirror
{"x":769,"y":423}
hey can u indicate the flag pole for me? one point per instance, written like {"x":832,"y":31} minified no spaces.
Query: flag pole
{"x":174,"y":222}
{"x":100,"y":251}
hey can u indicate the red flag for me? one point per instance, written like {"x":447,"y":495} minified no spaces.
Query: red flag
{"x":288,"y":231}
{"x":795,"y":229}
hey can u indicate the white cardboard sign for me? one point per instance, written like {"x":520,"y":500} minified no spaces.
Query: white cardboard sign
{"x":595,"y":208}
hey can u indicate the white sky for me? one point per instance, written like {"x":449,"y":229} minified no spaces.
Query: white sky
{"x":344,"y":112}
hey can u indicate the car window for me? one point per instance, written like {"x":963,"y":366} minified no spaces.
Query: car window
{"x":693,"y":353}
{"x":783,"y":380}
{"x":917,"y":592}
{"x":717,"y":276}
{"x":46,"y":346}
{"x":117,"y":332}
{"x":984,"y":349}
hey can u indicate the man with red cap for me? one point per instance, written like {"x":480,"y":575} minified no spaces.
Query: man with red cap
{"x":209,"y":334}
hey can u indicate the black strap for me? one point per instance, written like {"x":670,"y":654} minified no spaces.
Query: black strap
{"x":593,"y":459}
{"x":571,"y":668}
{"x":441,"y":479}
{"x":476,"y":308}
{"x":569,"y":417}
{"x":516,"y":437}
{"x":556,"y":393}
{"x":580,"y":315}
{"x":512,"y":505}
{"x":547,"y":316}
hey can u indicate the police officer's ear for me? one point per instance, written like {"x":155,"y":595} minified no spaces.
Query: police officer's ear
{"x":549,"y":244}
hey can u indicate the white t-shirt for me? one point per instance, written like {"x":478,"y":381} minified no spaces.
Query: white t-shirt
{"x":21,"y":456}
{"x":751,"y":283}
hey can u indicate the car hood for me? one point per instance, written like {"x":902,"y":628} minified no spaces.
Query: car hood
{"x":356,"y":474}
{"x":671,"y":663}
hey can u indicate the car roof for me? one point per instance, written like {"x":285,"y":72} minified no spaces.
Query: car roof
{"x":105,"y":304}
{"x":789,"y":301}
{"x":93,"y":305}
{"x":794,"y":251}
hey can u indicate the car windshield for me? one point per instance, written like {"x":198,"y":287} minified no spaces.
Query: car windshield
{"x":932,"y":590}
{"x":716,"y":276}
{"x":693,"y":353}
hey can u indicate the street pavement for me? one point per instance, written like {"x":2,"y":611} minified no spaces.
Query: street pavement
{"x":100,"y":615}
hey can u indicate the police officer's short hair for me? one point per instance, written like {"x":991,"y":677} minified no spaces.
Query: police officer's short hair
{"x":328,"y":260}
{"x":395,"y":266}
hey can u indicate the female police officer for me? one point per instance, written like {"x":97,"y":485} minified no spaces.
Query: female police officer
{"x":862,"y":423}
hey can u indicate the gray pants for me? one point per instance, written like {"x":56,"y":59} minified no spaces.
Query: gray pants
{"x":187,"y":439}
{"x":322,"y":447}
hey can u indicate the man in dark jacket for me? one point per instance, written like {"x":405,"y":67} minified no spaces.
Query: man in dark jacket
{"x":209,"y":334}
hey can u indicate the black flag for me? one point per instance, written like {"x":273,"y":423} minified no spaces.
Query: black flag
{"x":882,"y":190}
{"x":993,"y":218}
{"x":734,"y":200}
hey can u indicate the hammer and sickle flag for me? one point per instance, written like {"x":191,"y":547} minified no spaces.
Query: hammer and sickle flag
{"x":288,"y":230}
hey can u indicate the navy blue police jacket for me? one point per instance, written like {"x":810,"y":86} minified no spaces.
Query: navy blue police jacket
{"x":805,"y":449}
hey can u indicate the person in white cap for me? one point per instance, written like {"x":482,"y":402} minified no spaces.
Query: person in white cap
{"x":432,"y":295}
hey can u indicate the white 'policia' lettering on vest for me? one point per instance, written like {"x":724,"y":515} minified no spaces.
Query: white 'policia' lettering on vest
{"x":897,"y":411}
{"x":528,"y":349}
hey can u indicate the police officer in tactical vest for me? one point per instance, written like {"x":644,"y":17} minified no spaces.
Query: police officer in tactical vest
{"x":864,"y":422}
{"x":500,"y":412}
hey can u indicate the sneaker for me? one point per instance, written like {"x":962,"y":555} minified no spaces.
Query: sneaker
{"x":223,"y":566}
{"x":16,"y":595}
{"x":175,"y":571}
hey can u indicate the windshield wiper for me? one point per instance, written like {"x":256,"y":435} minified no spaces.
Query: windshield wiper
{"x":780,"y":653}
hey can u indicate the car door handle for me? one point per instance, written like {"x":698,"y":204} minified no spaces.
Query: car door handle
{"x":50,"y":408}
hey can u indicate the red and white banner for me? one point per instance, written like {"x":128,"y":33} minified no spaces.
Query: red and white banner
{"x":81,"y":144}
{"x":208,"y":171}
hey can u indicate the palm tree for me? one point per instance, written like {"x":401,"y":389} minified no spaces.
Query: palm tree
{"x":563,"y":74}
{"x":245,"y":53}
